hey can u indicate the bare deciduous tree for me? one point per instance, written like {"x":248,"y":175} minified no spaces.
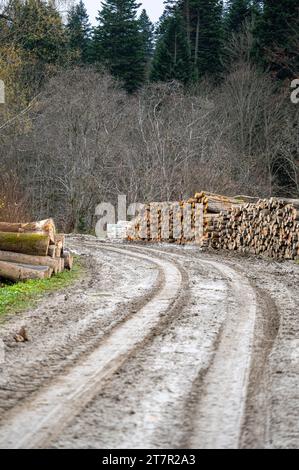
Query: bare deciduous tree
{"x":85,"y":141}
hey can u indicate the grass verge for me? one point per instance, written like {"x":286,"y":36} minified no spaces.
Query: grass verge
{"x":17,"y":297}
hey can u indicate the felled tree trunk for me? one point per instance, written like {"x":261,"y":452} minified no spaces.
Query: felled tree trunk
{"x":26,"y":243}
{"x":32,"y":260}
{"x":44,"y":227}
{"x":20,"y":272}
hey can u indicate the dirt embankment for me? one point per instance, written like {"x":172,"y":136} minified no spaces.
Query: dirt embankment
{"x":157,"y":347}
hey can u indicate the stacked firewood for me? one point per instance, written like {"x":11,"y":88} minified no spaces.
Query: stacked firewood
{"x":268,"y":227}
{"x":32,"y":251}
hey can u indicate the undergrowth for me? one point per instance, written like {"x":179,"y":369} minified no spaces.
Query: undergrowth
{"x":20,"y":296}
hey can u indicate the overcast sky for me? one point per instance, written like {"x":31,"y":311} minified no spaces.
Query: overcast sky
{"x":154,"y":8}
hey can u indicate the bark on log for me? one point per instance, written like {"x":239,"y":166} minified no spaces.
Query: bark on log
{"x":293,"y":202}
{"x":249,"y":225}
{"x":26,"y":243}
{"x":220,"y":206}
{"x":22,"y":272}
{"x":244,"y":199}
{"x":43,"y":227}
{"x":29,"y":259}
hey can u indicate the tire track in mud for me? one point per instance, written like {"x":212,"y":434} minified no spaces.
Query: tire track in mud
{"x":36,"y":423}
{"x":64,"y":328}
{"x":266,"y":423}
{"x":256,"y":426}
{"x":228,"y":404}
{"x":218,"y":418}
{"x":143,"y":405}
{"x":206,"y":406}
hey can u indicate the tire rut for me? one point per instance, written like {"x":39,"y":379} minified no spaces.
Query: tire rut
{"x":25,"y":379}
{"x":254,"y":430}
{"x":224,"y":402}
{"x":38,"y":422}
{"x":226,"y":381}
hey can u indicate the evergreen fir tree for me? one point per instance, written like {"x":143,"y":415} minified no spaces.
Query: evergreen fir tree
{"x":78,"y":32}
{"x":118,"y":42}
{"x":147,"y":33}
{"x":275,"y":34}
{"x":205,"y":32}
{"x":172,"y":59}
{"x":238,"y":11}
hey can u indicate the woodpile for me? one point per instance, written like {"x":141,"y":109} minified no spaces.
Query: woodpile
{"x":164,"y":221}
{"x":269,"y":227}
{"x":179,"y":222}
{"x":32,"y":251}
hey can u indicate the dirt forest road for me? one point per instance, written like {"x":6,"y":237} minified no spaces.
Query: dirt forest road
{"x":157,"y":347}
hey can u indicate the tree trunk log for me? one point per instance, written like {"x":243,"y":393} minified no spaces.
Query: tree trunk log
{"x":29,"y":259}
{"x":22,"y":272}
{"x":26,"y":243}
{"x":44,"y":227}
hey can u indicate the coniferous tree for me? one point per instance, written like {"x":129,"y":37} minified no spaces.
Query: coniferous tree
{"x":147,"y":33}
{"x":238,"y":11}
{"x":275,"y":34}
{"x":172,"y":60}
{"x":78,"y":32}
{"x":118,"y":42}
{"x":204,"y":33}
{"x":206,"y":36}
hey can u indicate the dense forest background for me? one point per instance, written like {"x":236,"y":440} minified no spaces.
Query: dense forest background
{"x":199,"y":101}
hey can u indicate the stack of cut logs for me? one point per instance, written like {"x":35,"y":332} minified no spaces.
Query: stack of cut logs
{"x":32,"y":251}
{"x":177,"y":222}
{"x":267,"y":227}
{"x":159,"y":222}
{"x":241,"y":223}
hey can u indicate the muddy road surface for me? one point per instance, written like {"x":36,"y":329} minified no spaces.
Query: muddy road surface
{"x":156,"y":347}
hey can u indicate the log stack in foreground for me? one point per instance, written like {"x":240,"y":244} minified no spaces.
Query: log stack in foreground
{"x":32,"y":251}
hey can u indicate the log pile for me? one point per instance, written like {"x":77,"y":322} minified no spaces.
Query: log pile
{"x":269,"y":227}
{"x":244,"y":224}
{"x":179,"y":222}
{"x":32,"y":251}
{"x":165,"y":221}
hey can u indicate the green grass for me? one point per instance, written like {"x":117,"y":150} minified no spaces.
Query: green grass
{"x":17,"y":297}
